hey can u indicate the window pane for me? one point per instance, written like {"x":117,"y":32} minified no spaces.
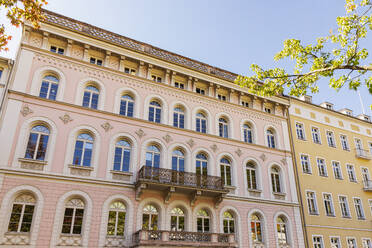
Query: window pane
{"x":44,"y":89}
{"x":121,"y":224}
{"x":43,"y":142}
{"x":130,"y":109}
{"x":31,"y":146}
{"x":86,"y":99}
{"x":126,"y":160}
{"x":117,"y":158}
{"x":53,"y":91}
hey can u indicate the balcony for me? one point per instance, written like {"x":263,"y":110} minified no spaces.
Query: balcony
{"x":367,"y":185}
{"x":364,"y":154}
{"x":145,"y":238}
{"x":171,"y":181}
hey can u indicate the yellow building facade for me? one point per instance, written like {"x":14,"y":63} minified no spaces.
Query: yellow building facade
{"x":333,"y":154}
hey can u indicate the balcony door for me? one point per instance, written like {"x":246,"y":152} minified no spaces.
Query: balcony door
{"x":201,"y":169}
{"x":178,"y":166}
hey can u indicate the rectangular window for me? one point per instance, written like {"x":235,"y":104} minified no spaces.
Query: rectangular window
{"x":344,"y":143}
{"x":328,"y":204}
{"x":221,"y":97}
{"x":318,"y":242}
{"x":200,"y":91}
{"x":311,"y":202}
{"x":305,"y":162}
{"x":344,"y":206}
{"x":366,"y":243}
{"x":351,"y":173}
{"x":1,"y":72}
{"x":322,"y":167}
{"x":331,"y":139}
{"x":335,"y":242}
{"x":95,"y":61}
{"x":300,"y":131}
{"x":336,"y":170}
{"x":56,"y":49}
{"x":130,"y":71}
{"x":359,"y":208}
{"x":351,"y":243}
{"x":179,"y":85}
{"x":316,"y":135}
{"x":156,"y":78}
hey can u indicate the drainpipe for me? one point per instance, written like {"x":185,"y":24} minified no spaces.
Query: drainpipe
{"x":299,"y":195}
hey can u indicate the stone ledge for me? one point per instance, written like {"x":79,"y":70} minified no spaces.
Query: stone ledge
{"x":80,"y":170}
{"x":32,"y":164}
{"x":121,"y":175}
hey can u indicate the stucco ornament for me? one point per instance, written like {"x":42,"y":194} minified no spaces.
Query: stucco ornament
{"x":263,"y":156}
{"x":66,"y":118}
{"x":284,"y":161}
{"x":107,"y":126}
{"x":26,"y":110}
{"x":238,"y":152}
{"x":140,"y":133}
{"x":191,"y":142}
{"x":214,"y":147}
{"x":167,"y":138}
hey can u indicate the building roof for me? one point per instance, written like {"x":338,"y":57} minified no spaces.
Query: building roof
{"x":90,"y":30}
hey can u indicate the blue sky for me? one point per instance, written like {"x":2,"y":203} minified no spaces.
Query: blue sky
{"x":230,"y":34}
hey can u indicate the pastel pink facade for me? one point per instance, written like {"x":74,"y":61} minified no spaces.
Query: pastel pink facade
{"x":56,"y":179}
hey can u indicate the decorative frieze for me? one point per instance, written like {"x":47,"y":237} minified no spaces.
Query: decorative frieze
{"x":16,"y":239}
{"x":70,"y":240}
{"x":32,"y":164}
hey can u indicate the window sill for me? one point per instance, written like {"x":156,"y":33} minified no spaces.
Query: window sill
{"x":307,"y":173}
{"x":70,"y":235}
{"x":361,"y":218}
{"x":331,"y":215}
{"x":325,"y":176}
{"x":346,"y":217}
{"x":18,"y":233}
{"x":81,"y":167}
{"x":279,"y":195}
{"x":255,"y":192}
{"x":78,"y":170}
{"x":121,"y":175}
{"x":32,"y":164}
{"x":314,"y":214}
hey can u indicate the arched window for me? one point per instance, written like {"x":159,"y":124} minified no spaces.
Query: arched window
{"x":155,"y":112}
{"x":122,"y":156}
{"x":251,"y":175}
{"x":37,"y":143}
{"x":179,"y":117}
{"x":91,"y":95}
{"x":178,"y":160}
{"x":201,"y":123}
{"x":223,"y":127}
{"x":275,"y":180}
{"x":247,"y":133}
{"x":203,"y":221}
{"x":150,"y":218}
{"x":256,"y":229}
{"x":177,"y":220}
{"x":83,"y":150}
{"x":116,"y":219}
{"x":49,"y":87}
{"x":225,"y":167}
{"x":73,"y":217}
{"x":228,"y":222}
{"x":153,"y":156}
{"x":22,"y":214}
{"x":126,"y":105}
{"x":270,"y":139}
{"x":201,"y":164}
{"x":281,"y":228}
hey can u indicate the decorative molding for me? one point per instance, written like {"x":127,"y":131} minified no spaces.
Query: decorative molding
{"x":284,"y":161}
{"x":140,"y":133}
{"x":66,"y":118}
{"x":26,"y":110}
{"x":167,"y":138}
{"x":214,"y":147}
{"x":107,"y":126}
{"x":191,"y":142}
{"x":263,"y":157}
{"x":238,"y":152}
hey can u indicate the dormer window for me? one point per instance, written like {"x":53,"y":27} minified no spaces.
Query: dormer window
{"x":267,"y":110}
{"x":95,"y":61}
{"x":179,"y":85}
{"x":221,"y":97}
{"x":130,"y":71}
{"x":156,"y":78}
{"x":56,"y":49}
{"x":329,"y":106}
{"x":348,"y":113}
{"x":245,"y":104}
{"x":200,"y":91}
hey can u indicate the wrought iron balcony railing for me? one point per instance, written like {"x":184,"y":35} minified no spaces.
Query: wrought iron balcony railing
{"x":179,"y":178}
{"x":361,"y":153}
{"x":367,"y":185}
{"x":157,"y":237}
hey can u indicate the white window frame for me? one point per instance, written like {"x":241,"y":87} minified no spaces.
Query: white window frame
{"x":300,"y":131}
{"x":338,"y":239}
{"x":347,"y":207}
{"x":347,"y":242}
{"x":344,"y":142}
{"x":355,"y":180}
{"x":308,"y":163}
{"x":363,"y":216}
{"x":333,"y":138}
{"x":333,"y":169}
{"x":321,"y":241}
{"x":331,"y":204}
{"x":318,"y":133}
{"x":325,"y":167}
{"x":316,"y":212}
{"x":363,"y":243}
{"x":96,"y":61}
